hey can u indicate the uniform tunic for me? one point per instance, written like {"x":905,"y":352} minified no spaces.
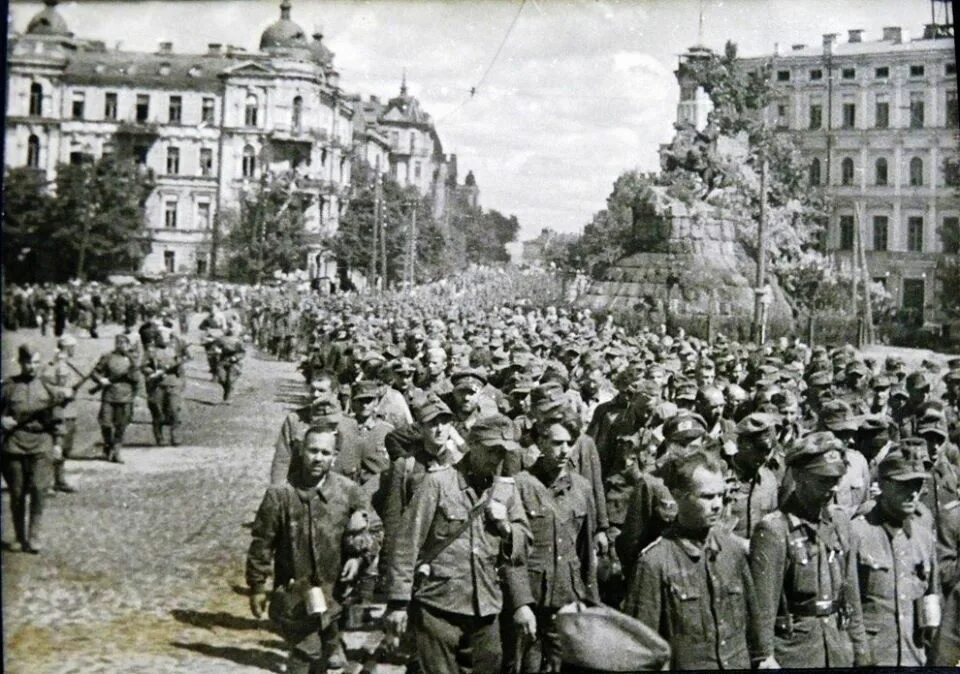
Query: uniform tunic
{"x":700,"y":597}
{"x":896,"y":568}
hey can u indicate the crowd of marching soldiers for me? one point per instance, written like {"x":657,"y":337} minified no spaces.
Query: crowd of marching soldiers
{"x":774,"y":506}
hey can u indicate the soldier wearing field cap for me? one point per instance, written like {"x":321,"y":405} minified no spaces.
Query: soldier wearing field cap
{"x":854,"y":489}
{"x":918,"y":392}
{"x":458,"y":559}
{"x":751,"y":484}
{"x":897,"y":565}
{"x":802,"y":559}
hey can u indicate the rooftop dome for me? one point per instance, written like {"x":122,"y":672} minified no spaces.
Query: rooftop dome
{"x":48,"y":21}
{"x":284,"y":34}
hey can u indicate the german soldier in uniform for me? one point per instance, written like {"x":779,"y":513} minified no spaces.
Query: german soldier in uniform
{"x":117,"y":376}
{"x":897,"y":564}
{"x":231,"y":351}
{"x":693,"y":584}
{"x":804,"y":569}
{"x":458,"y":552}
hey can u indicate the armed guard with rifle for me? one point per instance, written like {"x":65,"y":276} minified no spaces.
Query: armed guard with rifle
{"x":117,"y":375}
{"x":163,"y":374}
{"x":230,"y":351}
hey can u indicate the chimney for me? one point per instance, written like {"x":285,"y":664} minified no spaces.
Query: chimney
{"x":892,"y":34}
{"x":166,"y":48}
{"x":798,"y":47}
{"x":855,"y":35}
{"x":776,"y":49}
{"x":214,"y":49}
{"x":828,"y":40}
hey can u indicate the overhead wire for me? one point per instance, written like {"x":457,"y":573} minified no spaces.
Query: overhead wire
{"x":473,"y":90}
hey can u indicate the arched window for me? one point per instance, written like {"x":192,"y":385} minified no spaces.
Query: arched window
{"x":297,"y":113}
{"x":250,"y":112}
{"x":36,"y":100}
{"x":33,"y":152}
{"x":916,"y":172}
{"x":249,"y":162}
{"x":815,"y":172}
{"x":881,"y":171}
{"x":846,"y":171}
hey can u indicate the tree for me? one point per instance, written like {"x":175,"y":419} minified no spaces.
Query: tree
{"x":266,"y":231}
{"x":26,"y":242}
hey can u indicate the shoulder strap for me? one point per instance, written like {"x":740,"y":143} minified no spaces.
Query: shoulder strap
{"x":434,"y":552}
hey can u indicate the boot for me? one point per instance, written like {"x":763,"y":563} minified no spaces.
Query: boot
{"x":107,"y":433}
{"x":34,"y":545}
{"x":158,"y":434}
{"x":174,"y":442}
{"x":60,"y":479}
{"x":18,"y":511}
{"x":115,"y":454}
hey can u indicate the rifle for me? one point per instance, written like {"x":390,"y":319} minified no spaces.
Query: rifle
{"x":170,"y":369}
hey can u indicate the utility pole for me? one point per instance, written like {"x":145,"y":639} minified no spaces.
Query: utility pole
{"x":865,"y":273}
{"x":372,"y":272}
{"x":413,"y":244}
{"x":760,"y":307}
{"x":383,"y":241}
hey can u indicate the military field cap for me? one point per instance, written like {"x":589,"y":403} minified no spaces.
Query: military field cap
{"x":431,"y":408}
{"x":552,"y":406}
{"x":932,"y":424}
{"x":953,"y":364}
{"x":684,"y":427}
{"x":836,"y":415}
{"x":918,"y":381}
{"x":952,"y":377}
{"x":26,"y":353}
{"x":556,"y":367}
{"x":899,"y":392}
{"x":881,"y":382}
{"x":392,"y":352}
{"x":459,"y":347}
{"x":905,"y":462}
{"x":874,"y":423}
{"x":735,"y":392}
{"x":820,"y":378}
{"x":472,"y":378}
{"x":520,"y":383}
{"x":686,"y":390}
{"x":67,"y":340}
{"x":819,"y":454}
{"x":365,"y":389}
{"x":757,"y":422}
{"x":404,"y":365}
{"x":857,"y":368}
{"x":370,"y":357}
{"x":325,"y":422}
{"x":495,"y":431}
{"x":573,"y":348}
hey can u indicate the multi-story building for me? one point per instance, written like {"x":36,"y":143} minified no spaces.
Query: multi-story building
{"x":209,"y":126}
{"x":877,"y":122}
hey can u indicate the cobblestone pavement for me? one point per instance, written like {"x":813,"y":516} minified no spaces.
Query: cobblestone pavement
{"x":142,"y":569}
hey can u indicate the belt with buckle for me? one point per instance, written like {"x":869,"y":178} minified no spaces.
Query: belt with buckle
{"x":815,"y":608}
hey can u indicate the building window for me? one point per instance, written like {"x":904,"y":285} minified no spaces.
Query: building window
{"x":950,"y":234}
{"x":849,"y":73}
{"x":108,"y":150}
{"x":816,"y":115}
{"x":782,"y":116}
{"x":169,"y":261}
{"x":916,"y":172}
{"x":849,"y":115}
{"x":78,"y":103}
{"x":951,"y":69}
{"x":915,"y":234}
{"x":201,"y":265}
{"x":953,"y":110}
{"x":881,"y":171}
{"x":140,"y":153}
{"x":815,"y":172}
{"x":916,"y":109}
{"x":783,"y":76}
{"x":846,"y":171}
{"x":951,"y":173}
{"x":416,"y":170}
{"x":170,"y":214}
{"x":110,"y":106}
{"x":173,"y":160}
{"x":36,"y":100}
{"x":249,"y":166}
{"x":33,"y":152}
{"x":297,"y":113}
{"x":250,"y":112}
{"x":78,"y":158}
{"x":816,"y":75}
{"x":206,"y":161}
{"x":176,"y":109}
{"x":206,"y":112}
{"x":880,"y":232}
{"x":846,"y":232}
{"x":203,"y":215}
{"x":883,"y":115}
{"x":143,"y":107}
{"x":881,"y":73}
{"x":916,"y":71}
{"x":413,"y":142}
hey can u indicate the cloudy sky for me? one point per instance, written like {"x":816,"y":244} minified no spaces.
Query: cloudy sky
{"x":582,"y":90}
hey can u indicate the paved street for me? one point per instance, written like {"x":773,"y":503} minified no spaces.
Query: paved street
{"x":143,"y":568}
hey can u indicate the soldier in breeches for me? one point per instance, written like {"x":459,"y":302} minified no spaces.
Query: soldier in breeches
{"x":117,"y":375}
{"x":163,"y":378}
{"x":230,"y":348}
{"x":31,"y":440}
{"x":803,"y":562}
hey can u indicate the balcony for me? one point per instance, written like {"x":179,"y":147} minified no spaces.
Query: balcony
{"x":142,"y":129}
